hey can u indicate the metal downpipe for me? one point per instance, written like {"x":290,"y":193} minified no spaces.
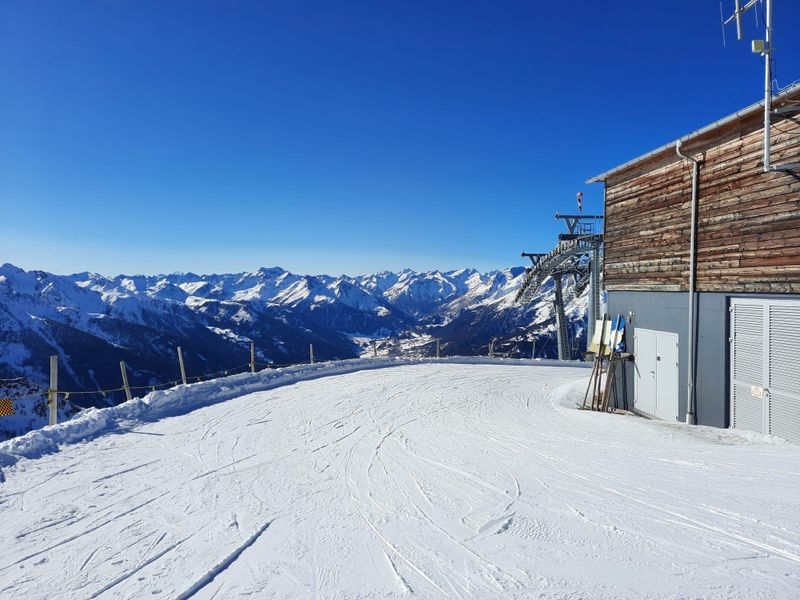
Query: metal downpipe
{"x":691,"y":399}
{"x":768,"y":89}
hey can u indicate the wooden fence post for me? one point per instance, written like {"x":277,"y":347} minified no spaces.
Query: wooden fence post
{"x":183,"y":368}
{"x":438,"y":349}
{"x":311,"y":353}
{"x":125,"y":380}
{"x":374,"y":348}
{"x":252,"y":357}
{"x":52,"y":393}
{"x":533,"y":351}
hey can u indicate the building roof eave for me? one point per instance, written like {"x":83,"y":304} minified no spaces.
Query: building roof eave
{"x":745,"y":112}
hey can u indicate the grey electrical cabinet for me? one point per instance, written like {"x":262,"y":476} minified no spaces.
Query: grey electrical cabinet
{"x":656,"y":373}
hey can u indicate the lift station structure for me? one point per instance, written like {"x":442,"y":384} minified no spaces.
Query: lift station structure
{"x":579,"y":255}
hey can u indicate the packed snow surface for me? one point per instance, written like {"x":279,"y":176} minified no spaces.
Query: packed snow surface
{"x":434,"y":480}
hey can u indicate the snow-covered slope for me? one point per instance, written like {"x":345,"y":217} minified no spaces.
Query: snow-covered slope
{"x":427,"y":481}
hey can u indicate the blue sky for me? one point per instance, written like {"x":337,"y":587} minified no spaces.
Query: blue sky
{"x":340,"y":137}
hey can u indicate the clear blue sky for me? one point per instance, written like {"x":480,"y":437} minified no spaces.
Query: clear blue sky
{"x":345,"y":136}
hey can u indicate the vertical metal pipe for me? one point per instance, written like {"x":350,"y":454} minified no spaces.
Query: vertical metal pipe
{"x":768,"y":87}
{"x":562,"y":335}
{"x":691,"y":407}
{"x":594,"y":290}
{"x":125,"y":383}
{"x":52,"y":394}
{"x":183,"y":367}
{"x":738,"y":15}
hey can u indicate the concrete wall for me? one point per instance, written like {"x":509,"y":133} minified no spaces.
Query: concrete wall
{"x":668,"y":311}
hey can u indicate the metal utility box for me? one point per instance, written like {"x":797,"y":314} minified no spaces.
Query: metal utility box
{"x":656,"y":373}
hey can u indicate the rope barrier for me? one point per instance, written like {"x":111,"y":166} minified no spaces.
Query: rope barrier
{"x":151,"y":387}
{"x":40,"y":389}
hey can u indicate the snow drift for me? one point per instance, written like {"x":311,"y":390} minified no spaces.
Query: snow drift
{"x":184,"y":398}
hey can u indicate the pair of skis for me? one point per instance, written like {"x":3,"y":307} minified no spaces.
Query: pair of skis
{"x":617,"y":335}
{"x":611,"y":342}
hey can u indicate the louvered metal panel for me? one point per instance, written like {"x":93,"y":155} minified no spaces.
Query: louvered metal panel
{"x":784,"y":370}
{"x":765,"y":370}
{"x":784,"y":416}
{"x":784,"y":346}
{"x":748,"y":333}
{"x":748,"y":410}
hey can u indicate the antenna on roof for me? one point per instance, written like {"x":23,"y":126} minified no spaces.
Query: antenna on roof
{"x":738,"y":15}
{"x":764,"y":48}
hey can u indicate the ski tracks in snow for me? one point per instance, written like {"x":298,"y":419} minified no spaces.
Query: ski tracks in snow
{"x":430,"y":481}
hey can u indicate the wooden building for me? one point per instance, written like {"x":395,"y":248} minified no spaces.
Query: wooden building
{"x":729,"y":350}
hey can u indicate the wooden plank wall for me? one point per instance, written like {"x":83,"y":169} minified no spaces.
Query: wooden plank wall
{"x":748,"y":237}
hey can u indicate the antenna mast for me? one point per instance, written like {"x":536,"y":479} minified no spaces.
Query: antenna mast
{"x":763,"y":47}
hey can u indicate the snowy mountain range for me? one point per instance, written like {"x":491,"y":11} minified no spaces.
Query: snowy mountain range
{"x":93,"y":322}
